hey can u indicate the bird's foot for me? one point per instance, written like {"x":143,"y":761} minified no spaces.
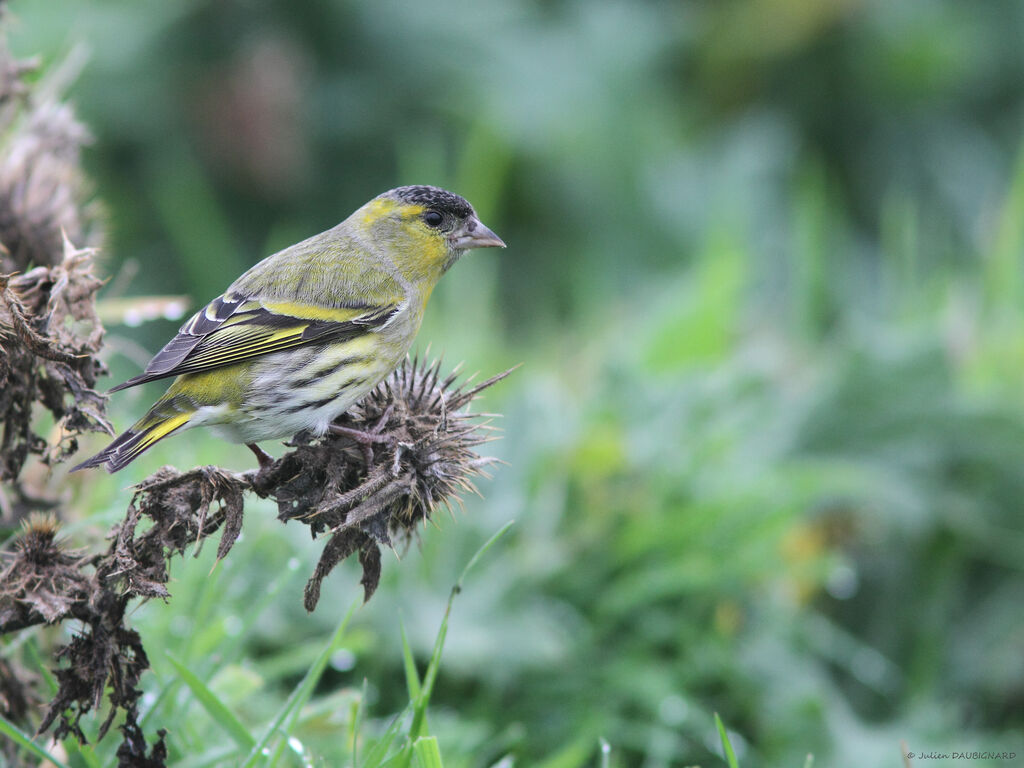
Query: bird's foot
{"x":361,"y":436}
{"x":366,"y":438}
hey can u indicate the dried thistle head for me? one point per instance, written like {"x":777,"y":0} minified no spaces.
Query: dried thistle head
{"x":38,"y":542}
{"x":42,"y":577}
{"x":49,"y":339}
{"x":406,"y":449}
{"x":428,"y":438}
{"x":179,"y":507}
{"x":43,"y":191}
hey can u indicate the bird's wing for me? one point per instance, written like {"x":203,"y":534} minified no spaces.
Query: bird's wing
{"x":233,"y":328}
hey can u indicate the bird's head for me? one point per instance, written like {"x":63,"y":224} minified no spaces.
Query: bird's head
{"x":426,"y":229}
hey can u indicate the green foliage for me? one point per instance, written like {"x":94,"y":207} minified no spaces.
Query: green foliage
{"x":16,"y":735}
{"x":730,"y":755}
{"x":764,"y":454}
{"x":215,"y":707}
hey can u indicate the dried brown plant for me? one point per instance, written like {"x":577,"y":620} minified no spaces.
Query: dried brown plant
{"x":49,"y":331}
{"x":49,"y":340}
{"x":44,"y":195}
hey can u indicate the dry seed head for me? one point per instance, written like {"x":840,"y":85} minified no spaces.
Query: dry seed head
{"x":48,"y":357}
{"x":38,"y":539}
{"x":43,"y":192}
{"x":417,"y":451}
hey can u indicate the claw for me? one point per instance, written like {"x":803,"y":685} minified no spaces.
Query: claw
{"x":366,"y":438}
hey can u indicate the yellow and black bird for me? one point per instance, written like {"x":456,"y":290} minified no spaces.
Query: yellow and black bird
{"x":307,"y":332}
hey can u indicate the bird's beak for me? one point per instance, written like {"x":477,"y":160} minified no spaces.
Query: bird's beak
{"x":474,"y":234}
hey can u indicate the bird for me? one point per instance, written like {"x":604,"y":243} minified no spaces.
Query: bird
{"x":309,"y":331}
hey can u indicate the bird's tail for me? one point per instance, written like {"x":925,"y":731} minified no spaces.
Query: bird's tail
{"x":154,"y":426}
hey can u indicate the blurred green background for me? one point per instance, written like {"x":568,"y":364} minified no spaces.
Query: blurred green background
{"x":764,"y":271}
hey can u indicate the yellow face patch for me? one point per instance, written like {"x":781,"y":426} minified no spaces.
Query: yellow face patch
{"x":418,"y":250}
{"x":376,"y":209}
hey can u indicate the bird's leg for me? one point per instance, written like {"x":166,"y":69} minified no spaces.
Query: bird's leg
{"x":264,"y":458}
{"x":366,"y":437}
{"x":383,"y":419}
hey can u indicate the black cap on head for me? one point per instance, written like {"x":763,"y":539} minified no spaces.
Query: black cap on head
{"x":435,"y":198}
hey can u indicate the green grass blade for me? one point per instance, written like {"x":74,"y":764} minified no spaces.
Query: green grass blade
{"x":376,"y":755}
{"x":730,"y":756}
{"x":576,"y":754}
{"x":213,"y":758}
{"x":480,"y":552}
{"x":412,"y":677}
{"x":166,"y":692}
{"x":420,"y":712}
{"x":1001,"y":267}
{"x":202,"y":606}
{"x":418,"y":727}
{"x":356,"y":720}
{"x":214,"y":707}
{"x":231,"y":649}
{"x":15,"y":734}
{"x":44,"y":669}
{"x":302,"y":691}
{"x":84,"y":752}
{"x":427,"y":753}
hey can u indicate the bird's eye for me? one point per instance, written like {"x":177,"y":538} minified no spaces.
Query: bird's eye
{"x":433,"y":219}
